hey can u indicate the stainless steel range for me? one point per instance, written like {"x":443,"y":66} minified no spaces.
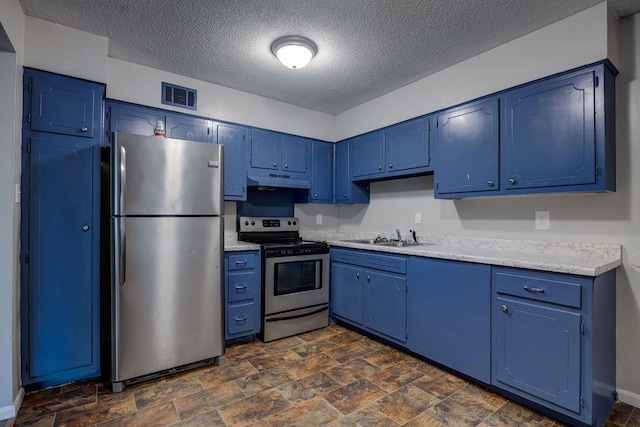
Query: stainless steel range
{"x":295,"y":277}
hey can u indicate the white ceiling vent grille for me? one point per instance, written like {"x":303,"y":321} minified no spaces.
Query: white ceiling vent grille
{"x":179,"y":96}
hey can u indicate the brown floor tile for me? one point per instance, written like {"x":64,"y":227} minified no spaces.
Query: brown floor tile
{"x":308,"y":388}
{"x":311,"y":365}
{"x":424,"y":420}
{"x":354,"y":396}
{"x":226,"y":373}
{"x":39,"y":404}
{"x":94,"y":413}
{"x":351,"y":371}
{"x":419,"y":365}
{"x":310,"y":413}
{"x":634,"y":420}
{"x":243,"y":352}
{"x":257,"y":383}
{"x":319,"y":334}
{"x":253,"y":409}
{"x":460,"y":410}
{"x":492,"y":400}
{"x":350,"y":352}
{"x":620,"y":414}
{"x":511,"y":414}
{"x":281,"y":344}
{"x":43,"y":421}
{"x":386,"y":357}
{"x":106,"y":397}
{"x":393,"y":377}
{"x":372,"y":344}
{"x":365,"y":417}
{"x":344,"y":338}
{"x":273,"y":359}
{"x":314,"y":348}
{"x":207,"y":400}
{"x":406,"y":403}
{"x":163,"y":414}
{"x":208,"y":419}
{"x":440,"y":384}
{"x":166,"y":390}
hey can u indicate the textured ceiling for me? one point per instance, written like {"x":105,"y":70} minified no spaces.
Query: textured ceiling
{"x":366,"y":48}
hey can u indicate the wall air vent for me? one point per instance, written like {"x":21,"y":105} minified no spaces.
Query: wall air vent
{"x":179,"y":96}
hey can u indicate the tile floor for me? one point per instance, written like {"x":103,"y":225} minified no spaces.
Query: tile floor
{"x":333,"y":377}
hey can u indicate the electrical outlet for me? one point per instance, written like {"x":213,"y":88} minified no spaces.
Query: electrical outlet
{"x":542,"y":220}
{"x":319,"y":219}
{"x":417,"y":218}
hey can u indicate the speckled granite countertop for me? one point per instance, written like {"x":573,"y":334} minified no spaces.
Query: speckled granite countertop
{"x":231,"y":244}
{"x":562,"y":257}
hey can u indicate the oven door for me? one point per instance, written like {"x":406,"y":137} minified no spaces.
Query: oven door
{"x":294,"y":282}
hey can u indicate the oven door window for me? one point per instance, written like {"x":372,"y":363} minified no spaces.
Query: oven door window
{"x":297,"y":276}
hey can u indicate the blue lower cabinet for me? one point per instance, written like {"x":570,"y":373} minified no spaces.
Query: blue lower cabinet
{"x":242,"y":294}
{"x":385,"y":303}
{"x":346,"y":292}
{"x":553,"y":340}
{"x":449,"y":314}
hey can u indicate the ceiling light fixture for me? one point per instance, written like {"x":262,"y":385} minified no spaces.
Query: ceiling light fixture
{"x":293,"y":51}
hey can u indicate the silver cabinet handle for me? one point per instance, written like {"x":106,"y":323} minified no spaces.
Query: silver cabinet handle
{"x":490,"y":183}
{"x":275,"y":164}
{"x":504,"y":308}
{"x":315,"y":195}
{"x":84,"y":129}
{"x":241,"y":287}
{"x":390,"y":166}
{"x":241,"y":262}
{"x":286,"y":166}
{"x":344,"y":195}
{"x":368,"y":278}
{"x":240,"y":319}
{"x":533,"y":290}
{"x":379,"y":168}
{"x":358,"y":276}
{"x":512,"y":181}
{"x":85,"y":228}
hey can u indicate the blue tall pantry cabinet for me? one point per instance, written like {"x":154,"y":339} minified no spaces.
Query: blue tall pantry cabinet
{"x":62,"y":130}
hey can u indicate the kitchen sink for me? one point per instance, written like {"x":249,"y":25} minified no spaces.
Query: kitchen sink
{"x":394,"y":243}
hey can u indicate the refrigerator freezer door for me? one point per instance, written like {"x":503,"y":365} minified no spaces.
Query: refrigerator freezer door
{"x":163,"y":176}
{"x":166,"y":293}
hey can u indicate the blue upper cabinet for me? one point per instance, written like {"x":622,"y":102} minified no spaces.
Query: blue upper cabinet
{"x":64,"y":106}
{"x":398,"y":150}
{"x":190,"y":128}
{"x":549,"y":133}
{"x":295,"y":153}
{"x":321,"y":172}
{"x":367,"y":154}
{"x":133,"y":119}
{"x":407,"y":145}
{"x":555,"y":135}
{"x":347,"y":191}
{"x":266,"y":147}
{"x":467,"y":148}
{"x":234,"y":140}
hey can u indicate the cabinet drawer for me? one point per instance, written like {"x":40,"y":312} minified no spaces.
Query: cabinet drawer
{"x":241,"y":261}
{"x":240,"y":286}
{"x":391,"y":263}
{"x":540,"y":286}
{"x":240,"y":318}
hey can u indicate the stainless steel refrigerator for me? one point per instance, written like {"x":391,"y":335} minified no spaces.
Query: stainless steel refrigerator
{"x":166,"y":256}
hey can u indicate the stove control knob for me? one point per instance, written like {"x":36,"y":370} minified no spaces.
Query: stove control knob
{"x":294,"y":223}
{"x":246,"y":223}
{"x":253,"y":223}
{"x":289,"y":222}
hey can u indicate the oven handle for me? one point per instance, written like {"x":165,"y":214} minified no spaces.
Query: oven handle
{"x":297,"y":316}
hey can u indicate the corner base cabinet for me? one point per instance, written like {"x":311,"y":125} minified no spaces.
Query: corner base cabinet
{"x":242,"y":290}
{"x":554,"y":340}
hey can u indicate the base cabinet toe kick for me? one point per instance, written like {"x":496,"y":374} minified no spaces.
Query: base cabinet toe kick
{"x":545,"y":340}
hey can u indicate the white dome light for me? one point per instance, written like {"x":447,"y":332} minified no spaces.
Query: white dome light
{"x":294,"y":52}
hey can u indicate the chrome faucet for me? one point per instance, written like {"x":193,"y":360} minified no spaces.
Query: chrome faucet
{"x":398,"y":233}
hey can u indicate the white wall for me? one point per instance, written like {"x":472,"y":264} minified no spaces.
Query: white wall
{"x":11,"y":22}
{"x":607,"y":217}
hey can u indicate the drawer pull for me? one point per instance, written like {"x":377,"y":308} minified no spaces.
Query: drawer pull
{"x":358,"y":276}
{"x":241,"y":288}
{"x":533,"y":290}
{"x":240,"y":319}
{"x":504,"y":308}
{"x":241,"y":262}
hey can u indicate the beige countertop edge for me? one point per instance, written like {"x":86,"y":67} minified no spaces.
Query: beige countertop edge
{"x":578,"y":265}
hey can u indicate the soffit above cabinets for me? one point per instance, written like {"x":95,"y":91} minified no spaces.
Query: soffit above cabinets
{"x":365,"y":48}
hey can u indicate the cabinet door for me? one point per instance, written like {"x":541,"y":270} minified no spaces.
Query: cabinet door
{"x":549,"y":134}
{"x":63,"y":105}
{"x":346,"y":292}
{"x":295,"y":151}
{"x":449,"y":314}
{"x":190,"y":128}
{"x":368,"y":154}
{"x":132,"y":119}
{"x":322,"y":172}
{"x":235,"y":165}
{"x":265,"y":149}
{"x":467,"y":149}
{"x":343,"y":177}
{"x":62,"y":300}
{"x":537,"y":350}
{"x":385,"y":304}
{"x":407,"y":145}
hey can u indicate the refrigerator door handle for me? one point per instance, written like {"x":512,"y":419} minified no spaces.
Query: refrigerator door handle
{"x":123,"y":252}
{"x":123,"y":179}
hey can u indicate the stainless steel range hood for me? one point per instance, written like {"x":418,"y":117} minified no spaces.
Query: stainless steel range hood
{"x":276,"y":181}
